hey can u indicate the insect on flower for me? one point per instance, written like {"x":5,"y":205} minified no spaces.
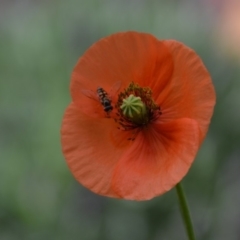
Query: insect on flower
{"x":102,"y":96}
{"x":163,"y":102}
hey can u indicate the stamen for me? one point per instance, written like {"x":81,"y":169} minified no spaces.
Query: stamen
{"x":136,"y":108}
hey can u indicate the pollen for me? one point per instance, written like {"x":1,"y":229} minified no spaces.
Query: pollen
{"x":136,"y":107}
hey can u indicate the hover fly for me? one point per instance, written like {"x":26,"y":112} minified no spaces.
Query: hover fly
{"x":102,"y":96}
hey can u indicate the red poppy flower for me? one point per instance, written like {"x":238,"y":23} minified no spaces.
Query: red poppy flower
{"x":140,"y":110}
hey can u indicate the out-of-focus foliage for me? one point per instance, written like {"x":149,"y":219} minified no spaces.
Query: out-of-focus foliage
{"x":40,"y":41}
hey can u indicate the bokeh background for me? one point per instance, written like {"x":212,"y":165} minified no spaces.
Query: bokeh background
{"x":40,"y":42}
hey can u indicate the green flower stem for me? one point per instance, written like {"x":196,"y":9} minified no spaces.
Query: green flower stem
{"x":185,"y":212}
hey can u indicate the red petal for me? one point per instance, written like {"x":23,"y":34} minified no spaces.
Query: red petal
{"x":190,"y":93}
{"x":158,"y":159}
{"x":124,"y":57}
{"x":88,"y":150}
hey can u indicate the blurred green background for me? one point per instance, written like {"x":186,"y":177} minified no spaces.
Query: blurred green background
{"x":40,"y":42}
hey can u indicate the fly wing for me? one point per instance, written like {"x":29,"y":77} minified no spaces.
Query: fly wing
{"x":115,"y":88}
{"x":90,"y":94}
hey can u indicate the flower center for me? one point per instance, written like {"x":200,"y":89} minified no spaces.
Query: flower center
{"x":133,"y":108}
{"x":136,"y":107}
